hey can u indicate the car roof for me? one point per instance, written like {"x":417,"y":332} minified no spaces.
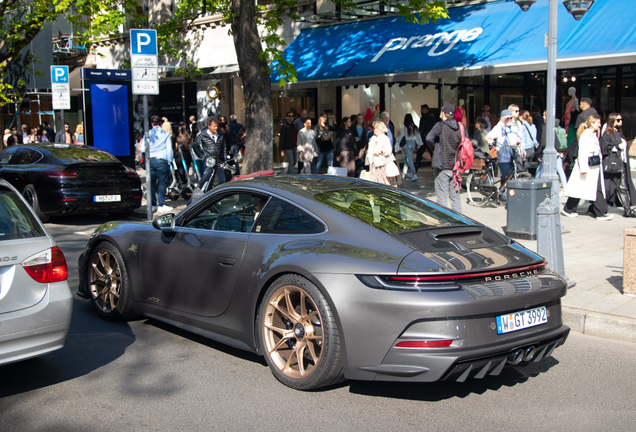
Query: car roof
{"x":72,"y":153}
{"x":305,"y":185}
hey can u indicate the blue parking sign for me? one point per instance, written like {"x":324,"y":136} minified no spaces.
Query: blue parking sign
{"x":143,"y":42}
{"x":59,"y":74}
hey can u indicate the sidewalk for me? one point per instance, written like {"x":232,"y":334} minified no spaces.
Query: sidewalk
{"x":593,"y":255}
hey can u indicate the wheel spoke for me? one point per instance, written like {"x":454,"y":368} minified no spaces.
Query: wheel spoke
{"x":280,"y":343}
{"x":300,"y":352}
{"x":105,"y":262}
{"x":111,"y":300}
{"x":282,"y":312}
{"x":312,"y":351}
{"x":99,"y":274}
{"x":280,"y":331}
{"x":290,"y":306}
{"x":303,"y":305}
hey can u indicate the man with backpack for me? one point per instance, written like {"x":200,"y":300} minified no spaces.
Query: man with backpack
{"x":444,"y":139}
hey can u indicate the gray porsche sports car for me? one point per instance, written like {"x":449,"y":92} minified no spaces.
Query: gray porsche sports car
{"x":331,"y":278}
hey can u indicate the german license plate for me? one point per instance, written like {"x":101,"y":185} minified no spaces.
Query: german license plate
{"x":521,"y":320}
{"x":106,"y":198}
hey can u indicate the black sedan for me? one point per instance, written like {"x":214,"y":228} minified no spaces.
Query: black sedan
{"x":332,"y":278}
{"x":59,"y":179}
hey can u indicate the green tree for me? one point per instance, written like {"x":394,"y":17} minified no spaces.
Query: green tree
{"x":22,"y":20}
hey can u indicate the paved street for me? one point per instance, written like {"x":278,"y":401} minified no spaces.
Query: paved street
{"x":145,"y":375}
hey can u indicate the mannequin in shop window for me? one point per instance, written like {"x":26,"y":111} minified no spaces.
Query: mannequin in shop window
{"x":460,"y":114}
{"x":573,"y":105}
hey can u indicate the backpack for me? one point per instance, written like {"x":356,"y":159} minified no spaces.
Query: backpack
{"x":463,"y":158}
{"x":561,"y":138}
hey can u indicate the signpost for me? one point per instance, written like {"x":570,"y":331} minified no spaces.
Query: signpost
{"x":145,"y":81}
{"x":61,"y":89}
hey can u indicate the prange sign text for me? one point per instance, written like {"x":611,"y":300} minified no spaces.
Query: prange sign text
{"x":443,"y":42}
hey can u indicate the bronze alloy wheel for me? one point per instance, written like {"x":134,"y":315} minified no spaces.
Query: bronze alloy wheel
{"x":293,"y":332}
{"x":105,"y":280}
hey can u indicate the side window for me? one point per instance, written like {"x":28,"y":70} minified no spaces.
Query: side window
{"x":233,"y":213}
{"x":280,"y":217}
{"x":25,"y":156}
{"x":6,"y":155}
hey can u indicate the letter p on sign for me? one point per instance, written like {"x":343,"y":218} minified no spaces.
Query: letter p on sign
{"x":143,"y":42}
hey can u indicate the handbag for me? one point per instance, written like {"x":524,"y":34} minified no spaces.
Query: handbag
{"x":613,"y":163}
{"x":594,"y":160}
{"x":391,"y":169}
{"x":493,"y":152}
{"x":402,"y":142}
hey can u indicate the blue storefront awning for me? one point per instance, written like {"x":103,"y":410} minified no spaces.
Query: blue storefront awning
{"x":495,"y":37}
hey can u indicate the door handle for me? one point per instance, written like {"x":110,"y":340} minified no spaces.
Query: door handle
{"x":225,"y":261}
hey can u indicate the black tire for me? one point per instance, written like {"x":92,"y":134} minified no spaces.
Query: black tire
{"x":109,"y":284}
{"x":186,"y":193}
{"x":31,"y":196}
{"x":475,"y":180}
{"x":173,"y":194}
{"x":307,"y":327}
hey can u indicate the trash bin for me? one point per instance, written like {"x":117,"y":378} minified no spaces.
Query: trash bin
{"x":524,"y":197}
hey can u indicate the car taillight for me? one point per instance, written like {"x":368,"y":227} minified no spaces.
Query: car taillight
{"x":425,"y":344}
{"x":130,"y":172}
{"x":444,"y":281}
{"x":59,"y":174}
{"x":47,"y":266}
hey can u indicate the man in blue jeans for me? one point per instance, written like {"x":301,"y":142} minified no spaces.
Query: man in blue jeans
{"x":161,"y":156}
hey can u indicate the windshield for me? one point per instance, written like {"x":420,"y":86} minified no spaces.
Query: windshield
{"x":16,"y":220}
{"x":389,"y":211}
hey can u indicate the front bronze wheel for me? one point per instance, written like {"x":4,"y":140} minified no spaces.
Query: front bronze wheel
{"x":299,"y":335}
{"x":108,"y":283}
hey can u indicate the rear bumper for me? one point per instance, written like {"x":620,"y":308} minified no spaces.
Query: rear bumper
{"x":37,"y":330}
{"x":83,"y":202}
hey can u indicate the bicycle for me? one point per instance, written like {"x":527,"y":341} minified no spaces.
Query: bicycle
{"x":481,"y":185}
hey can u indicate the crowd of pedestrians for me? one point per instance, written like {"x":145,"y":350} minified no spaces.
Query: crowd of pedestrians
{"x":42,"y":134}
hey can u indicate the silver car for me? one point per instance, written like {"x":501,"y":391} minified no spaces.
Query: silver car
{"x":35,"y":300}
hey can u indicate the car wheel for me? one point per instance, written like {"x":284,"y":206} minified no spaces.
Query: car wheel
{"x":108,"y":283}
{"x":31,"y":197}
{"x":299,"y":335}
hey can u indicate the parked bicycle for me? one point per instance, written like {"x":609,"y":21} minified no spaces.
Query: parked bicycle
{"x":481,"y":185}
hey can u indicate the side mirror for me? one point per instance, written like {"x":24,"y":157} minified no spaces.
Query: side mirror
{"x":164,"y":223}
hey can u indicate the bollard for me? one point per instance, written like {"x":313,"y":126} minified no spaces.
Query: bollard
{"x":549,"y":244}
{"x":629,"y":267}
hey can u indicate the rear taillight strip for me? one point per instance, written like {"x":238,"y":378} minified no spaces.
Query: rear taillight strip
{"x":464,"y":276}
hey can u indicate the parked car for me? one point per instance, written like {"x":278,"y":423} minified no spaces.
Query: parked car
{"x":331,"y":278}
{"x":60,"y":179}
{"x":35,"y":300}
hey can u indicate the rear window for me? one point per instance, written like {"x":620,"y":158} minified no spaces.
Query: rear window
{"x":389,"y":211}
{"x":16,"y":219}
{"x":68,"y":154}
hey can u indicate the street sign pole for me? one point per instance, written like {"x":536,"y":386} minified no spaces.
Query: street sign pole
{"x":145,"y":81}
{"x":60,"y":90}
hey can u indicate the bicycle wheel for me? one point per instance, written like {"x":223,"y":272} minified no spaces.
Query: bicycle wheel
{"x":478,"y":195}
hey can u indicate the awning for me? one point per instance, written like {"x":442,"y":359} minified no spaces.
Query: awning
{"x":483,"y":39}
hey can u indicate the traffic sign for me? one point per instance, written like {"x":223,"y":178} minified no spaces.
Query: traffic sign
{"x":143,"y":41}
{"x":60,"y":87}
{"x":143,"y":59}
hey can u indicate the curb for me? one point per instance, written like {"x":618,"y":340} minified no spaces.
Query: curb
{"x":598,"y":324}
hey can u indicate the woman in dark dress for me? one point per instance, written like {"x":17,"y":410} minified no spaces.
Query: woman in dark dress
{"x":346,"y":147}
{"x":619,"y":187}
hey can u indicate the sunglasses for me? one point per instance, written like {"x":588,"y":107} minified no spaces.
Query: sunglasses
{"x":507,"y":118}
{"x":289,"y":116}
{"x":619,"y":119}
{"x":514,"y":110}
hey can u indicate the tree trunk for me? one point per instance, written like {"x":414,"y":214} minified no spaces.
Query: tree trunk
{"x":259,"y":128}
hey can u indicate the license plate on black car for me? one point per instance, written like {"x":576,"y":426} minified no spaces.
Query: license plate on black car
{"x":106,"y":198}
{"x":521,"y":320}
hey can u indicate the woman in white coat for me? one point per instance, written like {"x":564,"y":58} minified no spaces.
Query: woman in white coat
{"x":586,"y":181}
{"x":306,"y":147}
{"x":380,"y":157}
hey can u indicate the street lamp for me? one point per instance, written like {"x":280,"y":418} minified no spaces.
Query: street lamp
{"x":525,"y":4}
{"x":577,"y":8}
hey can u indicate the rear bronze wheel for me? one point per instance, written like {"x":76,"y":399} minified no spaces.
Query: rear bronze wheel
{"x":108,"y":283}
{"x":299,"y":335}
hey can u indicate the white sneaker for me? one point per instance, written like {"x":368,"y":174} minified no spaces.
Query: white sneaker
{"x":164,"y":208}
{"x":153,"y":208}
{"x":571,"y":215}
{"x":414,"y":177}
{"x":605,"y":217}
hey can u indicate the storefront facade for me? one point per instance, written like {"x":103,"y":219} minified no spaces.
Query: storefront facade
{"x":484,"y":54}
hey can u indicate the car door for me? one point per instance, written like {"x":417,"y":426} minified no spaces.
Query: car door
{"x":194,"y":268}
